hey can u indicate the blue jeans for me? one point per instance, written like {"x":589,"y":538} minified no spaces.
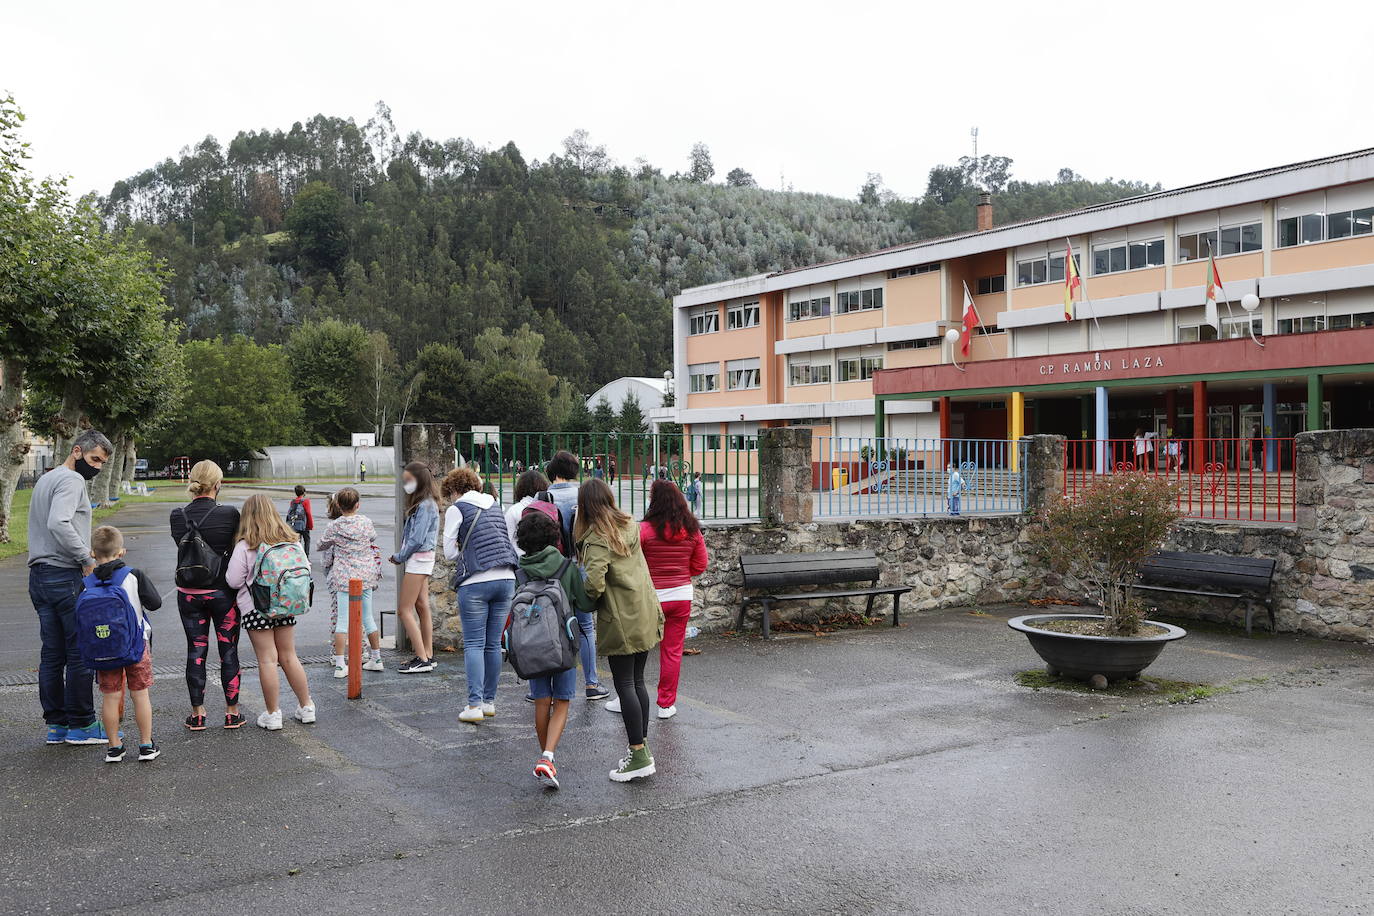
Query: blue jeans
{"x":65,"y":686}
{"x":483,"y":608}
{"x":586,"y":646}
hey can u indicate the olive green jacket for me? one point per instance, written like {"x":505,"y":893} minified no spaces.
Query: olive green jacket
{"x":628,"y":617}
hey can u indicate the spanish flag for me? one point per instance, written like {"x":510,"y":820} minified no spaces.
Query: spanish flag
{"x":1072,"y":282}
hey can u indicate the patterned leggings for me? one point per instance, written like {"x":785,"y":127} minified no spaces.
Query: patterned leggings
{"x":198,"y":612}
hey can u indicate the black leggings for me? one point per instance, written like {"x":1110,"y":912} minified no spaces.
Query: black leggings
{"x":627,"y":672}
{"x":199,"y":614}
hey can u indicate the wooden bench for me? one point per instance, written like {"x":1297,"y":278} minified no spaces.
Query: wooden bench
{"x":1214,"y":576}
{"x":791,"y":570}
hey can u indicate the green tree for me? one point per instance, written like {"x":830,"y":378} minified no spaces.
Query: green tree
{"x":318,"y":225}
{"x":331,"y":372}
{"x":238,"y":399}
{"x":701,"y":168}
{"x":440,"y":386}
{"x":603,"y":416}
{"x":514,"y":402}
{"x":631,"y":421}
{"x":578,"y":419}
{"x":739,"y":178}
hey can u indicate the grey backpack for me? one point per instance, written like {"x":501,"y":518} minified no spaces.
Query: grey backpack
{"x":541,"y":632}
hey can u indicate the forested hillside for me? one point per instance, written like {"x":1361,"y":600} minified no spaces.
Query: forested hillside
{"x":417,"y":242}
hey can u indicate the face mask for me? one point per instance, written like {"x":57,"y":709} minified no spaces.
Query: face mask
{"x":409,"y":486}
{"x":86,"y":469}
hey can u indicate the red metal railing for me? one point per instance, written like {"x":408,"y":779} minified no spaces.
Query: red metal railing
{"x":1231,"y":479}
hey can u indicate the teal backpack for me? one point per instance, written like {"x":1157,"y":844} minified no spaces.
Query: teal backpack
{"x":281,"y":584}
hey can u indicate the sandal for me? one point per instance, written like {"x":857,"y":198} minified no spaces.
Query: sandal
{"x":234,"y":720}
{"x":195,"y":723}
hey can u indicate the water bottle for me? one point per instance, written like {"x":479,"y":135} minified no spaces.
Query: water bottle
{"x":693,"y":632}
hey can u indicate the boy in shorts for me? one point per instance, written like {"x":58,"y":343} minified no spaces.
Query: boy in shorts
{"x":107,"y":546}
{"x":537,"y":536}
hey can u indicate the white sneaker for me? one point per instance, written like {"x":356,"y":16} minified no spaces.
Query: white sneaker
{"x":304,"y":714}
{"x":270,"y":720}
{"x":488,"y":710}
{"x":613,"y":705}
{"x":373,"y":664}
{"x":667,"y":712}
{"x":341,"y":671}
{"x":471,"y":714}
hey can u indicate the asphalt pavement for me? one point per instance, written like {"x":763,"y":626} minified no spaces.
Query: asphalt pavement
{"x":876,"y":771}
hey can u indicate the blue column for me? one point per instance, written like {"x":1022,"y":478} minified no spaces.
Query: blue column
{"x":1270,"y":420}
{"x":1101,"y":434}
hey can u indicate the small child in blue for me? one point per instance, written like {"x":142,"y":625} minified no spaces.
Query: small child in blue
{"x":955,"y":487}
{"x":537,"y":537}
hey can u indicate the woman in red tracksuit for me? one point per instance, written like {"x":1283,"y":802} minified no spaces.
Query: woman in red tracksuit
{"x":674,"y":549}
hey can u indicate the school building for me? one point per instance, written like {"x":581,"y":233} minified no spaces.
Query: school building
{"x":857,"y":348}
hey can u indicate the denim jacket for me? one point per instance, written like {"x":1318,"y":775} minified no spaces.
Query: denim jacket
{"x":421,"y":531}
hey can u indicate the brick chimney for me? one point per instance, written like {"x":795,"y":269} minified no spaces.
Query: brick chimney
{"x":984,"y":211}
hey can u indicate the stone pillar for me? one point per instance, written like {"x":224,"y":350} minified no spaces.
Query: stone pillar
{"x":1334,"y":578}
{"x":1044,"y":471}
{"x":785,"y":475}
{"x":1102,"y":432}
{"x":430,"y":444}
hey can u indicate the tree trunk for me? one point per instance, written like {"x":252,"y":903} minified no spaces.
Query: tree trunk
{"x":12,"y":439}
{"x":130,"y":449}
{"x":105,"y":483}
{"x":67,"y":423}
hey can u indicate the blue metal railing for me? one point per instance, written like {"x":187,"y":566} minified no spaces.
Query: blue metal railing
{"x":862,"y":477}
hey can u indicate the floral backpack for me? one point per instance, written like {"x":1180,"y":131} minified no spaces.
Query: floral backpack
{"x":281,"y":584}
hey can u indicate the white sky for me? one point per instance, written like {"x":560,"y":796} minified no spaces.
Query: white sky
{"x":1176,"y":92}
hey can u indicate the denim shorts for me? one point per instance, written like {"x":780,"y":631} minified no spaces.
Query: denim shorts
{"x":560,"y":686}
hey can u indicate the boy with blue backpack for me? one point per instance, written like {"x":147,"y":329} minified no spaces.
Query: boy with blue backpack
{"x":549,"y":583}
{"x":116,"y":640}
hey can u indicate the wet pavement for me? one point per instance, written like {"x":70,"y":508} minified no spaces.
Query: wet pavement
{"x":879,"y":771}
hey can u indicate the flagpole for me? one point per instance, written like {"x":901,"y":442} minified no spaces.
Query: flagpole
{"x":1083,"y":281}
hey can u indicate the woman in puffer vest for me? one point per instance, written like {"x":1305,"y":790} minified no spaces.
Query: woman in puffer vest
{"x":475,"y":537}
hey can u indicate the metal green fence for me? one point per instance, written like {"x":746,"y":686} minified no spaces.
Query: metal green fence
{"x":718,"y":474}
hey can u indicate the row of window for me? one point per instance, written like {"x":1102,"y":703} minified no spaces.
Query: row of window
{"x":859,"y":300}
{"x":803,"y":371}
{"x":1322,"y":227}
{"x":740,"y":374}
{"x":1231,"y":240}
{"x":913,"y":271}
{"x":1109,"y":259}
{"x":744,"y":315}
{"x":818,"y":307}
{"x":1128,"y":256}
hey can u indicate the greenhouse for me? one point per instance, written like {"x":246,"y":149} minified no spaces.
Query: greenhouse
{"x":315,"y":462}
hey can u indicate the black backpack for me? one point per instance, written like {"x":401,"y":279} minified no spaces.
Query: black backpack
{"x":198,"y":564}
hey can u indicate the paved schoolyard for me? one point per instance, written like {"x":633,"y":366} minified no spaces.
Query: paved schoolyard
{"x":878,"y":771}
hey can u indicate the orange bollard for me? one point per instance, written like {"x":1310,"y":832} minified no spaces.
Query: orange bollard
{"x":355,"y":638}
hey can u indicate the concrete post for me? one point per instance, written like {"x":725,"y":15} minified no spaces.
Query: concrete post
{"x":1271,"y":398}
{"x":1102,"y":459}
{"x":785,"y":475}
{"x":430,"y":444}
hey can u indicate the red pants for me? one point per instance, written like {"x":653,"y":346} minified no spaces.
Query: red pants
{"x":675,"y":615}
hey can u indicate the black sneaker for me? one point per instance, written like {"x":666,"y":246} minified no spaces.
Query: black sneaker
{"x":149,"y":751}
{"x":528,"y":698}
{"x":597,"y":693}
{"x":417,"y":665}
{"x":114,"y":754}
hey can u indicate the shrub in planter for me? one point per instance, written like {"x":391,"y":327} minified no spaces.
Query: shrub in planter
{"x":1100,"y":537}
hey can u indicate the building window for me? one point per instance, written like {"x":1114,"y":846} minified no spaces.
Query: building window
{"x":998,"y":284}
{"x":1345,"y":322}
{"x":803,"y":309}
{"x":1302,"y":230}
{"x":704,"y":321}
{"x":1040,"y":270}
{"x":859,"y":300}
{"x":921,"y":343}
{"x":710,"y":441}
{"x":859,"y":368}
{"x":1230,"y":327}
{"x":1350,"y":222}
{"x":913,"y":271}
{"x":1231,"y":240}
{"x":1128,"y":256}
{"x":802,"y":371}
{"x":742,"y":373}
{"x":743,"y":443}
{"x":1301,"y":325}
{"x":744,"y":315}
{"x":704,"y":377}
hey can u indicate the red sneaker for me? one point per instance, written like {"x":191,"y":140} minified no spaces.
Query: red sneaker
{"x":546,"y":773}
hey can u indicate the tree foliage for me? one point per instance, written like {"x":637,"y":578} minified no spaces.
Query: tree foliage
{"x":330,"y":371}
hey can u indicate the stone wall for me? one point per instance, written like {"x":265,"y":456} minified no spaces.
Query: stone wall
{"x":1323,"y":586}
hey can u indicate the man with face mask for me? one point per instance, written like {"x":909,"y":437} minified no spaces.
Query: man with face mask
{"x":59,"y":557}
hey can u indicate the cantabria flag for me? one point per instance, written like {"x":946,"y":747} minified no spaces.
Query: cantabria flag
{"x":1072,"y":282}
{"x":1214,"y":288}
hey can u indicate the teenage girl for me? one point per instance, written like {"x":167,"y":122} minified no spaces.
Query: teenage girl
{"x":418,"y":537}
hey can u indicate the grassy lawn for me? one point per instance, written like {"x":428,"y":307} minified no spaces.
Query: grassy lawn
{"x":19,"y":520}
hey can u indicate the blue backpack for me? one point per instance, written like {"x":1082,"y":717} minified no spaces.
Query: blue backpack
{"x":109,"y":630}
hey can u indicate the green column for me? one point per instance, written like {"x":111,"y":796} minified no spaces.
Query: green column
{"x":879,"y":418}
{"x":1314,"y":402}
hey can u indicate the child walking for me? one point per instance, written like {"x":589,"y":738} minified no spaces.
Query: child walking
{"x":351,"y":552}
{"x":537,"y":538}
{"x":954,"y":489}
{"x":107,"y":547}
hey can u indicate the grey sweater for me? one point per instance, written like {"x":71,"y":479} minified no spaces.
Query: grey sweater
{"x":60,"y":520}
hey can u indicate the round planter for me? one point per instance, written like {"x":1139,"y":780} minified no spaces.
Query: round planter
{"x":1117,"y":658}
